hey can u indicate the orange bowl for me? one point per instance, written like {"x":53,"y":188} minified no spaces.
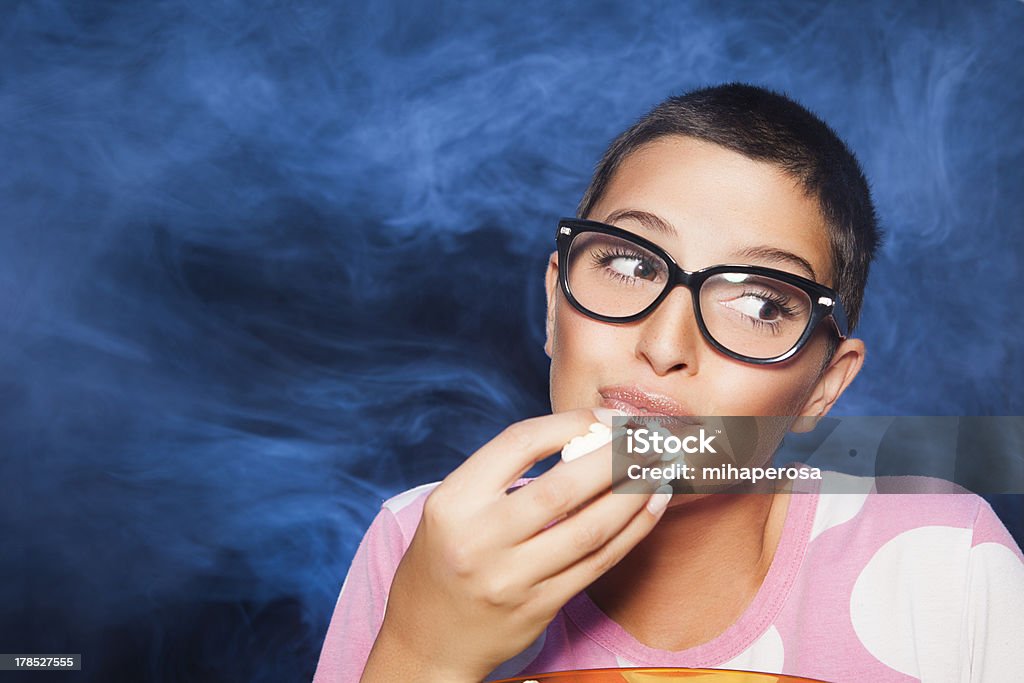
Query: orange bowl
{"x":658,"y":675}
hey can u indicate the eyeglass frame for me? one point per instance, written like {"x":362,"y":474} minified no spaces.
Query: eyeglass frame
{"x":825,"y":302}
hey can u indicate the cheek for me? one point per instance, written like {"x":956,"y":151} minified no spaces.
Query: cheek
{"x":749,"y":390}
{"x":731,"y":387}
{"x":776,"y":394}
{"x":581,"y":348}
{"x":770,"y":390}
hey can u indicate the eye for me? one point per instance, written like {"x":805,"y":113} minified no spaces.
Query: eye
{"x":633,"y":267}
{"x":763,"y":307}
{"x":619,"y":262}
{"x":755,"y":307}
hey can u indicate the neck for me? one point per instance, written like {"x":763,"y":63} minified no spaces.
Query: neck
{"x":696,"y":572}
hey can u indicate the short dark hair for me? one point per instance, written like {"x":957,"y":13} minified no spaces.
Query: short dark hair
{"x":765,"y":126}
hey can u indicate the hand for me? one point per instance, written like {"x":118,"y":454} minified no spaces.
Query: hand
{"x":483,"y":577}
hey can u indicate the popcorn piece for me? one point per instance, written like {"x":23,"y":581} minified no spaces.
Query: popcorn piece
{"x":579,"y":446}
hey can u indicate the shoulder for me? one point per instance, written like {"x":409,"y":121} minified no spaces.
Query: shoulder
{"x":410,"y":499}
{"x":402,"y":511}
{"x":904,"y":516}
{"x":902,"y":503}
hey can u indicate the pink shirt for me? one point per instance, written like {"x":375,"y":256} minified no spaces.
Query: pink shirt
{"x":863,"y":587}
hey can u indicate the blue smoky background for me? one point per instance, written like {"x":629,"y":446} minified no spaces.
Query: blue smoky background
{"x":265,"y":263}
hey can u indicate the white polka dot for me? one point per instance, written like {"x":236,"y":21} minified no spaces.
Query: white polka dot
{"x":764,"y":654}
{"x":907,"y":604}
{"x":512,"y":667}
{"x":403,"y":499}
{"x":997,"y":611}
{"x":842,"y":498}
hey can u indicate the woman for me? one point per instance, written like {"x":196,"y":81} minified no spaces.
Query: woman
{"x":464,"y":581}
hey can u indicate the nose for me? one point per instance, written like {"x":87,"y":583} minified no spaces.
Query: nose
{"x":670,"y":338}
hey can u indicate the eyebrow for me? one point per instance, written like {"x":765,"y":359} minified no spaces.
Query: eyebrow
{"x":758,"y":252}
{"x":648,"y":220}
{"x":774,"y":255}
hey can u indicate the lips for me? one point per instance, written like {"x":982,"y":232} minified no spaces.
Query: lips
{"x":633,"y":400}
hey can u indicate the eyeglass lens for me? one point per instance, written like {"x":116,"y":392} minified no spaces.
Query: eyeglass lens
{"x":751,"y":315}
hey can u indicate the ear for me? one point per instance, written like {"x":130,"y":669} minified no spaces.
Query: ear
{"x":844,"y":366}
{"x":551,"y":285}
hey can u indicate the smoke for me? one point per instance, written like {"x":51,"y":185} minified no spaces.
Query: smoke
{"x":263,"y":264}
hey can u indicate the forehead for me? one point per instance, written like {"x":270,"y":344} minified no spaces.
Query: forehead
{"x":718,"y":203}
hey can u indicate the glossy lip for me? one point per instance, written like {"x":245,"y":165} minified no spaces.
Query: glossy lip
{"x":639,"y":402}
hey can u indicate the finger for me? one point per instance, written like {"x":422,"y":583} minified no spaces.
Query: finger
{"x":518,"y":447}
{"x":564,"y":544}
{"x":561,"y":490}
{"x":560,"y":587}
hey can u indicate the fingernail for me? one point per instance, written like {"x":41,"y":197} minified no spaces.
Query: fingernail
{"x":659,"y":499}
{"x":605,"y":415}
